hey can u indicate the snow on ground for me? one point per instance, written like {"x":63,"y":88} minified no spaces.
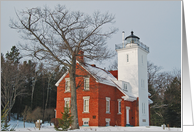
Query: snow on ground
{"x":47,"y":127}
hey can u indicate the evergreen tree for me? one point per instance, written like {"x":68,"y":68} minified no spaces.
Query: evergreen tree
{"x":173,"y":100}
{"x":156,"y":118}
{"x":66,"y":120}
{"x":13,"y":56}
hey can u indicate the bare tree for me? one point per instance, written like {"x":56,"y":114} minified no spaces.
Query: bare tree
{"x":153,"y":71}
{"x":34,"y":79}
{"x":58,"y":36}
{"x":13,"y":78}
{"x":113,"y":65}
{"x":25,"y":113}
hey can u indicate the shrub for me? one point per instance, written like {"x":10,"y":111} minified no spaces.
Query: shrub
{"x":66,"y":120}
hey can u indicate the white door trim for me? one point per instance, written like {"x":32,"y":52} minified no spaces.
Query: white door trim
{"x":127,"y":114}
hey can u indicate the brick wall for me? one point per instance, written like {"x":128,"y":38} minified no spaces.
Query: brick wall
{"x":97,"y":102}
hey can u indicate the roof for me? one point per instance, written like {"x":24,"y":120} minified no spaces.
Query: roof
{"x":131,"y":36}
{"x":150,"y":101}
{"x":105,"y":77}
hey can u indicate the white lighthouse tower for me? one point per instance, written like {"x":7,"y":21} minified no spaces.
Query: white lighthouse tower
{"x":132,"y":68}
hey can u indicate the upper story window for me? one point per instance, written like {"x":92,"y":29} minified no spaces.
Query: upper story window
{"x":86,"y":103}
{"x":125,"y":87}
{"x":143,"y":108}
{"x":86,"y":83}
{"x":142,"y":83}
{"x":67,"y":84}
{"x":107,"y":105}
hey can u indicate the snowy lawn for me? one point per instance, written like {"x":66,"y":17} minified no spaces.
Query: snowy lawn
{"x":47,"y":127}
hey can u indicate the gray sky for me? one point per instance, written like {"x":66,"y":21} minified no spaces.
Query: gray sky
{"x":157,"y":24}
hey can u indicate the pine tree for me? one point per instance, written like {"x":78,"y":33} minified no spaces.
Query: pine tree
{"x":13,"y":56}
{"x":66,"y":120}
{"x":173,"y":100}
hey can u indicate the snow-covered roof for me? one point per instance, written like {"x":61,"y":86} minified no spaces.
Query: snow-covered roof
{"x":150,"y":101}
{"x":104,"y":77}
{"x":101,"y":75}
{"x":129,"y":96}
{"x":57,"y":84}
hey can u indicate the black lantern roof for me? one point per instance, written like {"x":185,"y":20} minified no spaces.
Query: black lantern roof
{"x":131,"y":36}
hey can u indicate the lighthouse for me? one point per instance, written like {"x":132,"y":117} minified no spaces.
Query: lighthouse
{"x":132,"y":68}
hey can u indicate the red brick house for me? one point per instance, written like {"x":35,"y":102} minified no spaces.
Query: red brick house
{"x":102,"y":99}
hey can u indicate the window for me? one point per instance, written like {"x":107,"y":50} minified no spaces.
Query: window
{"x":143,"y":108}
{"x":107,"y":121}
{"x":142,"y":83}
{"x":86,"y":83}
{"x":86,"y":103}
{"x":85,"y":121}
{"x":67,"y":84}
{"x":67,"y":102}
{"x":119,"y":106}
{"x":127,"y":58}
{"x":125,"y":87}
{"x":107,"y":105}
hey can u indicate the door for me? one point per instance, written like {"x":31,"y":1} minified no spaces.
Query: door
{"x":127,"y":115}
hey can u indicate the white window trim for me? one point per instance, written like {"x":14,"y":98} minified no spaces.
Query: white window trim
{"x":125,"y":87}
{"x":143,"y":108}
{"x":67,"y":79}
{"x":107,"y":120}
{"x":86,"y":98}
{"x":119,"y":108}
{"x":67,"y":99}
{"x":108,"y":99}
{"x":85,"y":120}
{"x":88,"y":83}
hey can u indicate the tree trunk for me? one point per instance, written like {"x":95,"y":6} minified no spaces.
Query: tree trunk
{"x":24,"y":124}
{"x":9,"y":115}
{"x":48,"y":88}
{"x":33,"y":86}
{"x":72,"y":70}
{"x":6,"y":120}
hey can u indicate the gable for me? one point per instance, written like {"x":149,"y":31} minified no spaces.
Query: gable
{"x":64,"y":75}
{"x":102,"y":76}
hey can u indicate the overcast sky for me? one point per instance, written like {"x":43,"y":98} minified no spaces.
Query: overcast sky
{"x":157,"y":24}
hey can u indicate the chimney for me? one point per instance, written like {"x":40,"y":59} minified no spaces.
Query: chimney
{"x":80,"y":56}
{"x":123,"y":38}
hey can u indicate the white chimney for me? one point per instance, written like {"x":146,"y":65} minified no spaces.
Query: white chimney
{"x":123,"y":38}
